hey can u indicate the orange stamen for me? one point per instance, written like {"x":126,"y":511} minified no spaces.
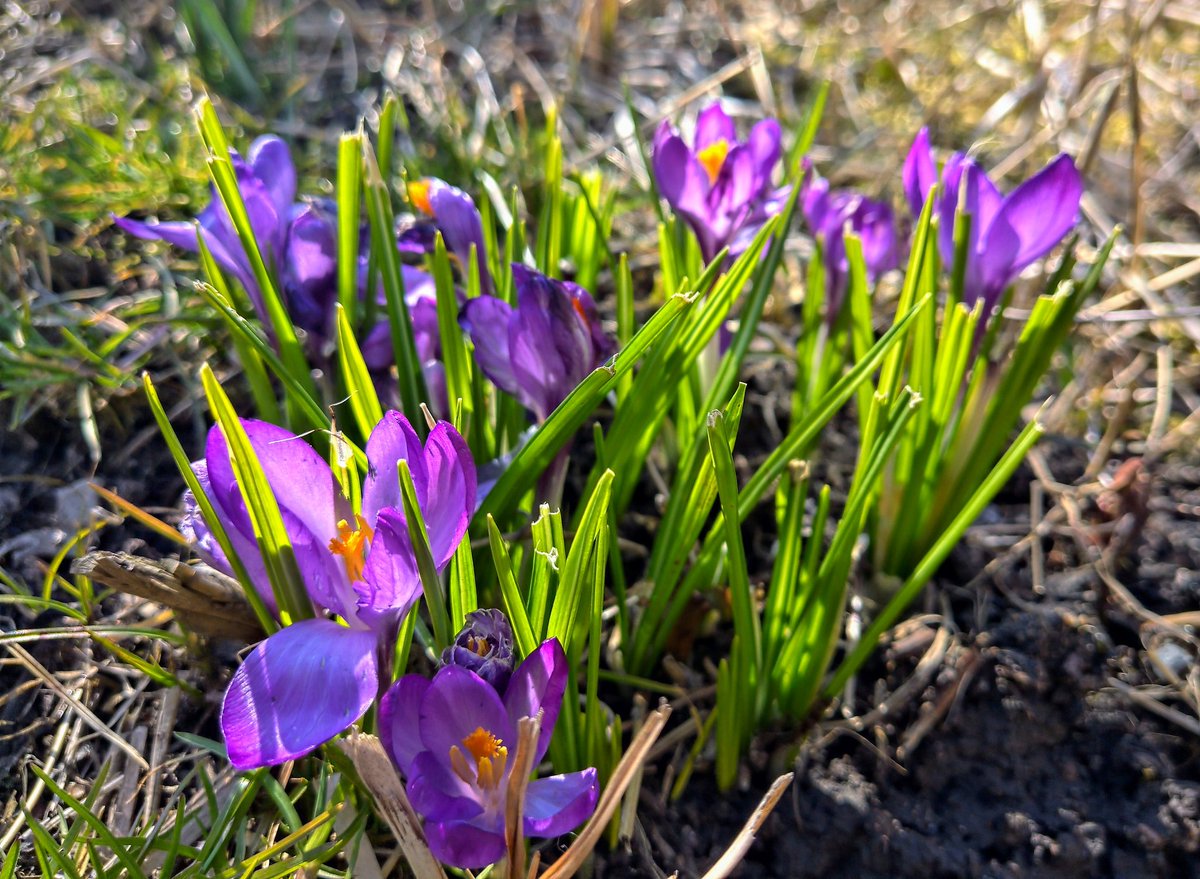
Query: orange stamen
{"x":491,"y":759}
{"x":478,"y":646}
{"x":418,"y":194}
{"x":352,"y":545}
{"x":712,"y":157}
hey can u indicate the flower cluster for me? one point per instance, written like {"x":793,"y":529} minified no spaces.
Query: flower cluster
{"x":454,"y":735}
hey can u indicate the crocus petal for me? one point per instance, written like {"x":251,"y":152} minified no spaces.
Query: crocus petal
{"x":392,"y":440}
{"x":548,"y":344}
{"x":399,"y":720}
{"x":713,"y":124}
{"x":376,"y":347}
{"x":310,"y":270}
{"x":736,"y":185}
{"x":538,"y":685}
{"x":204,"y":542}
{"x":765,"y":145}
{"x":296,"y":690}
{"x":485,"y":319}
{"x":438,"y":793}
{"x":271,"y":161}
{"x":300,"y":478}
{"x":458,"y":703}
{"x":947,"y":206}
{"x":309,"y":501}
{"x":182,"y":235}
{"x":451,"y":491}
{"x":684,"y":183}
{"x":560,"y":803}
{"x":391,"y":580}
{"x":464,"y":845}
{"x":1042,"y":210}
{"x":461,"y":226}
{"x":991,"y":246}
{"x":920,"y":172}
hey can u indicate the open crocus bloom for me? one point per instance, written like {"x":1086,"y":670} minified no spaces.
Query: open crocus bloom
{"x":453,"y":213}
{"x":540,"y":350}
{"x":450,"y":737}
{"x":1007,"y":233}
{"x":828,"y":213}
{"x":721,"y":186}
{"x":310,"y":680}
{"x":297,"y":239}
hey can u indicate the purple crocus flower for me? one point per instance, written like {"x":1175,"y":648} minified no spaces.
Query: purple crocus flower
{"x":827,"y":213}
{"x":297,"y":240}
{"x":540,"y":350}
{"x":484,"y":646}
{"x":721,"y":186}
{"x":451,"y":736}
{"x":1007,"y":233}
{"x":453,"y":213}
{"x":310,"y":680}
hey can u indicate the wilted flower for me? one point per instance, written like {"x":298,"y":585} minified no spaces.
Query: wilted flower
{"x":451,"y":736}
{"x":828,"y":213}
{"x":721,"y":186}
{"x":484,"y":646}
{"x":453,"y":213}
{"x":540,"y":350}
{"x":1007,"y":233}
{"x":310,"y":680}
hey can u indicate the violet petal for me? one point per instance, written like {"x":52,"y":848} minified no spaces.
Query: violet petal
{"x":296,"y":690}
{"x":560,"y":803}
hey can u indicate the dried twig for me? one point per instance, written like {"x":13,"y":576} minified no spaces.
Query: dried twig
{"x":745,"y":838}
{"x":205,"y":601}
{"x":575,"y":856}
{"x":380,"y":778}
{"x":528,"y":729}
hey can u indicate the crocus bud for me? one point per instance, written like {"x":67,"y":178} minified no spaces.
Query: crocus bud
{"x":484,"y":646}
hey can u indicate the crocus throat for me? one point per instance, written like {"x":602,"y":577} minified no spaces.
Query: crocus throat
{"x":352,"y":545}
{"x":418,"y":194}
{"x":478,"y":646}
{"x":491,"y":758}
{"x":712,"y":157}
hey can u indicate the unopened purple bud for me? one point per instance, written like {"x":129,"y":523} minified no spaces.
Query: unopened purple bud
{"x":484,"y":646}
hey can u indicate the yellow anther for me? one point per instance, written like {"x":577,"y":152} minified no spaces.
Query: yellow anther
{"x":478,"y":646}
{"x":491,"y":759}
{"x":352,"y":545}
{"x":418,"y":194}
{"x":712,"y":157}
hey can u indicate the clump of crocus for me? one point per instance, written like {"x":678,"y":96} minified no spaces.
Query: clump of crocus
{"x":540,"y":350}
{"x":1007,"y":233}
{"x":720,"y":185}
{"x":828,"y":214}
{"x":452,"y":739}
{"x":485,"y":646}
{"x":310,"y":680}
